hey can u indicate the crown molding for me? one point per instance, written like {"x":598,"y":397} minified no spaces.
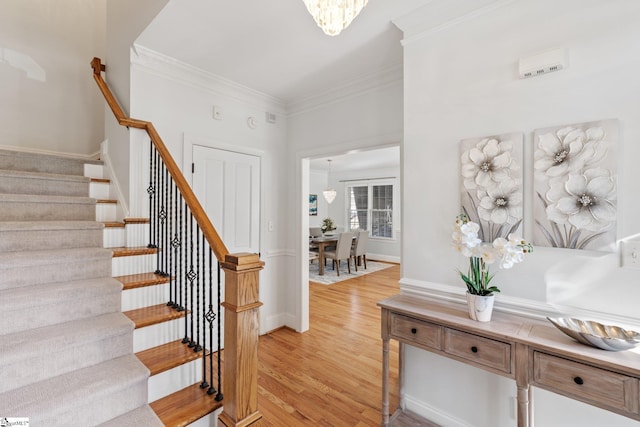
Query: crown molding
{"x":439,"y":15}
{"x":374,"y":81}
{"x":161,"y":65}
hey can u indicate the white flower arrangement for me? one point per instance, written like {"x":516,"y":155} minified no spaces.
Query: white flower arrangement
{"x":506,"y":252}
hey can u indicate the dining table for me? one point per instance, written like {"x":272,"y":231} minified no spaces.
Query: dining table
{"x":322,"y":243}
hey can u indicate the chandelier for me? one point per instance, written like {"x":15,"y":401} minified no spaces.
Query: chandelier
{"x":334,"y":16}
{"x":329,"y":194}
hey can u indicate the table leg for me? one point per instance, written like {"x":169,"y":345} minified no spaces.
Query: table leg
{"x":321,"y":259}
{"x":524,"y":408}
{"x":385,"y":382}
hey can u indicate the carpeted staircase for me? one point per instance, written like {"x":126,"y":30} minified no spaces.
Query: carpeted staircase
{"x":66,"y":350}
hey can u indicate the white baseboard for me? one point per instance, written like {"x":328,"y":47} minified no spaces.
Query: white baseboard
{"x":93,"y":156}
{"x":122,"y":209}
{"x":384,"y":258}
{"x":432,"y":414}
{"x":273,"y":322}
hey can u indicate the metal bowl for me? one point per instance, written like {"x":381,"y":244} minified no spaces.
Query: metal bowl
{"x":606,"y":337}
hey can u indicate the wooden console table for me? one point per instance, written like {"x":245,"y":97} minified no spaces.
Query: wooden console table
{"x":532,"y":352}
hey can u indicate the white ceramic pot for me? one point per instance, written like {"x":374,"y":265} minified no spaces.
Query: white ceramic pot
{"x":480,"y":307}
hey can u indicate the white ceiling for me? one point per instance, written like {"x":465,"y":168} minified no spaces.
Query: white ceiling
{"x":382,"y":158}
{"x":275,"y":47}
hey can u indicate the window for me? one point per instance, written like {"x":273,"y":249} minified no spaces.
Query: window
{"x":370,"y":207}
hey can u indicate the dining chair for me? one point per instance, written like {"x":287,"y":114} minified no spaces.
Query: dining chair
{"x":314,"y":232}
{"x":360,"y":248}
{"x":342,"y":251}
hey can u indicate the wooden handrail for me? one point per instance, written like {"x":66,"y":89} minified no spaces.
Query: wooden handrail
{"x":210,"y":233}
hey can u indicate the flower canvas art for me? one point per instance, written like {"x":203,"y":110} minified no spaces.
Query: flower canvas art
{"x":575,"y":186}
{"x":491,"y":187}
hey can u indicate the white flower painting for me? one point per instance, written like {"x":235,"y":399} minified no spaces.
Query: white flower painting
{"x":491,"y":191}
{"x":575,"y":186}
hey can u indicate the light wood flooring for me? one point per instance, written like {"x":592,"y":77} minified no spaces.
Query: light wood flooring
{"x":330,"y":375}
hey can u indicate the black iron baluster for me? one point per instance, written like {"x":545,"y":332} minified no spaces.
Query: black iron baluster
{"x":192,"y":275}
{"x":167,"y":219}
{"x":182,"y":258}
{"x":151,"y":191}
{"x":175,"y":242}
{"x":210,"y":317}
{"x":159,"y":212}
{"x":219,"y":396}
{"x":197,"y":347}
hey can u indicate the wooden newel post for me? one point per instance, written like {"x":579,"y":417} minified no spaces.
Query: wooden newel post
{"x":241,"y":331}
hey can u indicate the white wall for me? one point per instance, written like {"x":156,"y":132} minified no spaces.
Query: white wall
{"x":371,"y":117}
{"x":460,"y":82}
{"x":48,"y":99}
{"x":125,"y":22}
{"x":179,"y":100}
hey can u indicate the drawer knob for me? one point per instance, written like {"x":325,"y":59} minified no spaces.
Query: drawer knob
{"x":414,"y":330}
{"x":578,"y":380}
{"x":474,"y":349}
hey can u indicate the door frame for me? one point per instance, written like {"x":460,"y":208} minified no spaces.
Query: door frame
{"x":189,"y":140}
{"x":302,"y":210}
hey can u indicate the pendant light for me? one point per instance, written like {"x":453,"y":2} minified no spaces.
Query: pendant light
{"x":329,"y":194}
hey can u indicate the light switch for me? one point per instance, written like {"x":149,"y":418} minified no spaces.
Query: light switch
{"x":630,"y":254}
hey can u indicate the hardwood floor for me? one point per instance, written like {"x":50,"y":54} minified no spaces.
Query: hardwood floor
{"x":330,"y":375}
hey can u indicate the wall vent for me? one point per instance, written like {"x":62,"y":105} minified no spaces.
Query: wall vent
{"x":542,"y":63}
{"x":270,"y":117}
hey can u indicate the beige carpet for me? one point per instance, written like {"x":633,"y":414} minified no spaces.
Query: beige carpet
{"x":331,"y":276}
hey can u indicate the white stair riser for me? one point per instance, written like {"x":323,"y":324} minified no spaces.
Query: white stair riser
{"x":145,"y":296}
{"x":93,"y":171}
{"x":137,"y":235}
{"x":99,"y":190}
{"x":114,"y":237}
{"x":165,"y":383}
{"x":210,"y":420}
{"x":105,"y":212}
{"x":124,"y":265}
{"x":155,"y":335}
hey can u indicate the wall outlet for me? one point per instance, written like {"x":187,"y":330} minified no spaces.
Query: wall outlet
{"x":630,"y":254}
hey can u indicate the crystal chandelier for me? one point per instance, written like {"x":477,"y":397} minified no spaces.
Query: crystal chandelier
{"x":329,"y":194}
{"x":334,"y":16}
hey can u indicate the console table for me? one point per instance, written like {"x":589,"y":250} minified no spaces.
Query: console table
{"x":532,"y":352}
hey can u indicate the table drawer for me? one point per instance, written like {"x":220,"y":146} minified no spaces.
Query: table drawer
{"x":478,"y":350}
{"x":585,"y":382}
{"x":416,"y":331}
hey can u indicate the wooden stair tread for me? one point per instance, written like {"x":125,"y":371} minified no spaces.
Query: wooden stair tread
{"x":106,"y":201}
{"x":142,"y":250}
{"x":113,"y":224}
{"x":140,"y":280}
{"x":103,"y":180}
{"x":185,"y":406}
{"x":167,"y":356}
{"x":136,"y":220}
{"x":153,"y":315}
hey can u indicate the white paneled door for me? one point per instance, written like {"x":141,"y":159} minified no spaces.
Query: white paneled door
{"x":228,"y":187}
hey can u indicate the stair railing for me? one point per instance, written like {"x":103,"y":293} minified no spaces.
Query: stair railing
{"x":187,"y":244}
